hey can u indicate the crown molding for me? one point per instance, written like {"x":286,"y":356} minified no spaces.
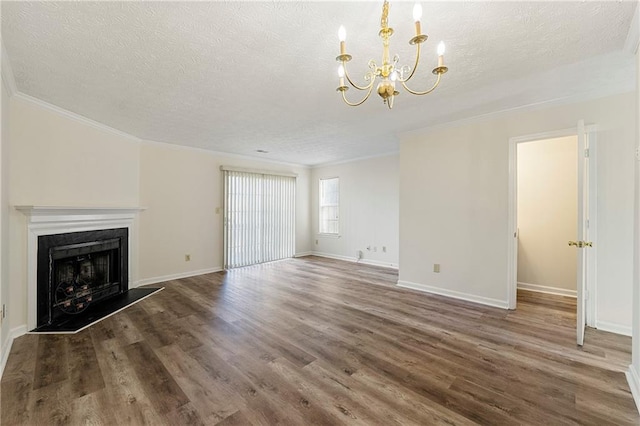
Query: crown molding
{"x":633,"y":36}
{"x":7,"y":73}
{"x":481,"y":118}
{"x":100,"y":126}
{"x":355,"y":160}
{"x":177,"y":147}
{"x":74,"y":116}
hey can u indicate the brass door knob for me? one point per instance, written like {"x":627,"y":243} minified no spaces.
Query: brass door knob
{"x":581,"y":244}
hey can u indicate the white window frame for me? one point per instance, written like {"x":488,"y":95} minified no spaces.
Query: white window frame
{"x":320,"y":207}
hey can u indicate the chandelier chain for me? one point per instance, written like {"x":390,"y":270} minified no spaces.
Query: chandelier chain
{"x":384,"y":21}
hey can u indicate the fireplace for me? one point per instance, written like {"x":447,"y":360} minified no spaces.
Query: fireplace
{"x":79,"y":271}
{"x":80,"y":265}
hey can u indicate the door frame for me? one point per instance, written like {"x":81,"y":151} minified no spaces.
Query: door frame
{"x":512,"y":258}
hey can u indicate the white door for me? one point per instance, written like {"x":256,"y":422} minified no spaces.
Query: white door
{"x":582,"y":243}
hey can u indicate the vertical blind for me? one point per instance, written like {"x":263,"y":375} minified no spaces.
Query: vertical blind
{"x":259,"y":217}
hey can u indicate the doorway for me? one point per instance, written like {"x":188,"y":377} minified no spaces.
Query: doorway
{"x":552,"y":218}
{"x":547,"y":212}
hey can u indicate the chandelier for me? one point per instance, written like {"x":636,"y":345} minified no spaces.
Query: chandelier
{"x":389,"y":73}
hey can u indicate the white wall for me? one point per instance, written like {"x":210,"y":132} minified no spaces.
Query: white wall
{"x":454,"y":203}
{"x":182,"y":189}
{"x":547,"y":214}
{"x":369,"y":214}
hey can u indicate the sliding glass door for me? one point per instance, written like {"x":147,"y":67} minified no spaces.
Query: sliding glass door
{"x":259,"y":217}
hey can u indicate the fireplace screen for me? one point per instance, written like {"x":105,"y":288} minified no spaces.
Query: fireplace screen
{"x":80,"y":280}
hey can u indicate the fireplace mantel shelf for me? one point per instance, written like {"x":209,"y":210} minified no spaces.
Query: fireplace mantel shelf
{"x":67,"y":210}
{"x":76,"y":214}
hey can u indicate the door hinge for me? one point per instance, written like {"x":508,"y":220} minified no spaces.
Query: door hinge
{"x":586,"y":153}
{"x":638,"y":153}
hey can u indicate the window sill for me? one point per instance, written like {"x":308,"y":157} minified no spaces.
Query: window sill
{"x":329,"y":235}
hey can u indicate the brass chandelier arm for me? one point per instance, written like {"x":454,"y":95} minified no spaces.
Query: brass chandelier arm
{"x":344,"y":97}
{"x":355,"y":86}
{"x":413,"y":92}
{"x":415,"y":66}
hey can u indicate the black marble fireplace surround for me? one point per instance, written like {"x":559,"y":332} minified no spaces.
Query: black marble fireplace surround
{"x":82,"y":277}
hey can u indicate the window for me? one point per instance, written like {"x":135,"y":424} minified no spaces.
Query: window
{"x":329,"y":206}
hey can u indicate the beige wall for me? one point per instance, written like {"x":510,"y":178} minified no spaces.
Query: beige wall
{"x":454,"y":202}
{"x":636,"y":280}
{"x":58,"y":161}
{"x":547,"y":213}
{"x":182,"y":189}
{"x":62,"y":161}
{"x":4,"y":216}
{"x":369,"y":214}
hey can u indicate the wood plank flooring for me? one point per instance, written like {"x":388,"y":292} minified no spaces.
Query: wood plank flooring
{"x":318,"y":341}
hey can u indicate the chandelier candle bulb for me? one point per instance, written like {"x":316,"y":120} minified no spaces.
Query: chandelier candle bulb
{"x":417,"y":14}
{"x":341,"y":75}
{"x":342,"y":36}
{"x":441,"y":54}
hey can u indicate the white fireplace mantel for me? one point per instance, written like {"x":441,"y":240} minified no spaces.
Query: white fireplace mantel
{"x":56,"y":214}
{"x":49,"y":220}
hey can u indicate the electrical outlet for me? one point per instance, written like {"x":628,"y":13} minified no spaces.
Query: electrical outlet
{"x":384,"y":249}
{"x":316,"y":242}
{"x":436,"y":267}
{"x":187,"y":258}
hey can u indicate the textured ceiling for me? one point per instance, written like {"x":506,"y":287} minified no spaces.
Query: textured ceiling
{"x":241,"y":76}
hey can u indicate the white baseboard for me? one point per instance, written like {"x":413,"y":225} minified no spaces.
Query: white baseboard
{"x":355,"y":260}
{"x":6,"y":345}
{"x":547,"y":289}
{"x":334,"y":256}
{"x":504,"y":304}
{"x":155,"y":280}
{"x":614,"y":328}
{"x":379,"y":263}
{"x":303,"y":254}
{"x":633,"y":378}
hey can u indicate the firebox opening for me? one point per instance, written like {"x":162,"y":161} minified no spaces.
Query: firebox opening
{"x":81,"y":277}
{"x":78,"y":272}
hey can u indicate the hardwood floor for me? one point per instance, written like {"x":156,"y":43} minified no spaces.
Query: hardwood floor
{"x":318,"y":341}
